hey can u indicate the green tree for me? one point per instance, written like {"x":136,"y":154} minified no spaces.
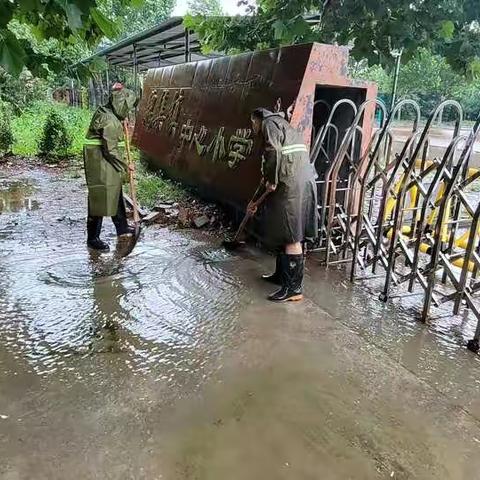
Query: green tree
{"x":69,"y":22}
{"x":428,"y":74}
{"x":133,"y":18}
{"x":376,"y":73}
{"x":373,"y":29}
{"x":468,"y":94}
{"x":55,"y":140}
{"x":205,"y":7}
{"x":6,"y":133}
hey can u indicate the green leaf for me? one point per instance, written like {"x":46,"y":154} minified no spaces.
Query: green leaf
{"x":107,"y":26}
{"x":447,"y":29}
{"x":74,"y":16}
{"x":6,"y":12}
{"x":299,"y":26}
{"x":189,"y":21}
{"x":12,"y":55}
{"x":137,"y":3}
{"x":475,"y":68}
{"x":279,"y":30}
{"x":29,"y":5}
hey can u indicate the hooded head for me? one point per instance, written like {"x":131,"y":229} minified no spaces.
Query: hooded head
{"x":122,"y":102}
{"x":259,"y":115}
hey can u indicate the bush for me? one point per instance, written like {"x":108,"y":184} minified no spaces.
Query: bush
{"x":29,"y":126}
{"x":55,"y":141}
{"x":6,"y":133}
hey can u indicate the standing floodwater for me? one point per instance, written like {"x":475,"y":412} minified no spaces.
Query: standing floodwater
{"x":170,"y":364}
{"x":164,"y":305}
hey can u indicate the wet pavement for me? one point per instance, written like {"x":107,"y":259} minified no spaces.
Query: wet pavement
{"x":169,"y":364}
{"x":439,"y":140}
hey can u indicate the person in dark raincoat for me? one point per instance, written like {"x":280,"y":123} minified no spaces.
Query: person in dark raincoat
{"x":291,"y":207}
{"x":106,"y":167}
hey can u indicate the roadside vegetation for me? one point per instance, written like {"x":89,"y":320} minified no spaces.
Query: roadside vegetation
{"x":54,"y":132}
{"x":154,"y":188}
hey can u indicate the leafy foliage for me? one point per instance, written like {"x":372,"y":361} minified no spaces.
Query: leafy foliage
{"x":55,"y":141}
{"x":205,"y":7}
{"x":427,"y":78}
{"x":29,"y":126}
{"x":373,"y":29}
{"x":137,"y":15}
{"x":6,"y":133}
{"x":68,"y":21}
{"x":21,"y":91}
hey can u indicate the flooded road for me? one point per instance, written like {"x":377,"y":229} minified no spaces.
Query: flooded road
{"x":169,"y":364}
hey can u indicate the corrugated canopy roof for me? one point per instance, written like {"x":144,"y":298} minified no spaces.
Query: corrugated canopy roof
{"x":165,"y":44}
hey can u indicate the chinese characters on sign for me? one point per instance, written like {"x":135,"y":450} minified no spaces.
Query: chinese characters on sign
{"x":239,"y":147}
{"x":162,"y":113}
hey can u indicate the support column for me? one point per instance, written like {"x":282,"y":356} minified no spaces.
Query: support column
{"x":135,"y":69}
{"x":395,"y":78}
{"x":107,"y":74}
{"x":188,"y":55}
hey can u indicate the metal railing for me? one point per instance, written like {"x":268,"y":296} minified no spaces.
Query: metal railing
{"x":405,"y":218}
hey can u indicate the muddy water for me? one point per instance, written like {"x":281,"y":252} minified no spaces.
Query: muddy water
{"x":60,"y":301}
{"x":169,"y":364}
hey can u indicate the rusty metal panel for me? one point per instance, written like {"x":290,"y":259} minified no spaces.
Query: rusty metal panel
{"x":194,"y":119}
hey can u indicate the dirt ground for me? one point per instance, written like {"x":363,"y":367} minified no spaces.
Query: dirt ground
{"x":170,"y":364}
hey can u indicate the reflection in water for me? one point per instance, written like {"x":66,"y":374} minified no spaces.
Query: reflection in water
{"x":169,"y":307}
{"x":16,"y":197}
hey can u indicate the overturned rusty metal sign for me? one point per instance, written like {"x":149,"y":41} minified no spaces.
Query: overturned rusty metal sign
{"x":194,"y":119}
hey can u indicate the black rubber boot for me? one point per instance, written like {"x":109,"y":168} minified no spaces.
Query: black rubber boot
{"x":120,"y":220}
{"x":275,"y":277}
{"x":94,"y":227}
{"x":99,"y":245}
{"x":292,"y":279}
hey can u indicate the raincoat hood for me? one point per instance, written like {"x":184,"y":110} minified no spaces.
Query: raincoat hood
{"x":122,"y":102}
{"x":268,"y":114}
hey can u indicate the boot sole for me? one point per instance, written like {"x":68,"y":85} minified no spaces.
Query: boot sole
{"x":271,"y":281}
{"x":98,"y":250}
{"x":295,"y":298}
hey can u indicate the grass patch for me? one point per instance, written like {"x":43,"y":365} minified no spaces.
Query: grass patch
{"x":153,"y":188}
{"x":28,"y":127}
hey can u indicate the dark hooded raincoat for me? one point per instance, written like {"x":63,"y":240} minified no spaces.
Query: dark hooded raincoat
{"x":290,"y":212}
{"x":105,"y":164}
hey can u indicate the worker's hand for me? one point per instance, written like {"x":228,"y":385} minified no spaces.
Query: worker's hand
{"x":252,"y":208}
{"x":271,"y":187}
{"x":131,"y":167}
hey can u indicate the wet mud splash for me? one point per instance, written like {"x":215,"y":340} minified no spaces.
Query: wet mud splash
{"x":168,"y":304}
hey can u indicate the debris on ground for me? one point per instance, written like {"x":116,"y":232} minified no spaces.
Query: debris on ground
{"x":152,"y":217}
{"x":188,"y":213}
{"x":201,"y":221}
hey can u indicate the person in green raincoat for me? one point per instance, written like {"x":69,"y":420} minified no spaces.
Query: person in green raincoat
{"x":106,"y":167}
{"x":290,"y":210}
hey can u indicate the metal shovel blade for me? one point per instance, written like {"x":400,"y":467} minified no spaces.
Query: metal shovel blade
{"x":123,"y":250}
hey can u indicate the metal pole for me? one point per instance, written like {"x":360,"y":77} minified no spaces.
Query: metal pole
{"x":107,"y":73}
{"x":188,"y":55}
{"x":135,"y":69}
{"x":395,"y":78}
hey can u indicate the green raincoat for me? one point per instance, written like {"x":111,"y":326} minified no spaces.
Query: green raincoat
{"x":290,"y":212}
{"x":105,"y":164}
